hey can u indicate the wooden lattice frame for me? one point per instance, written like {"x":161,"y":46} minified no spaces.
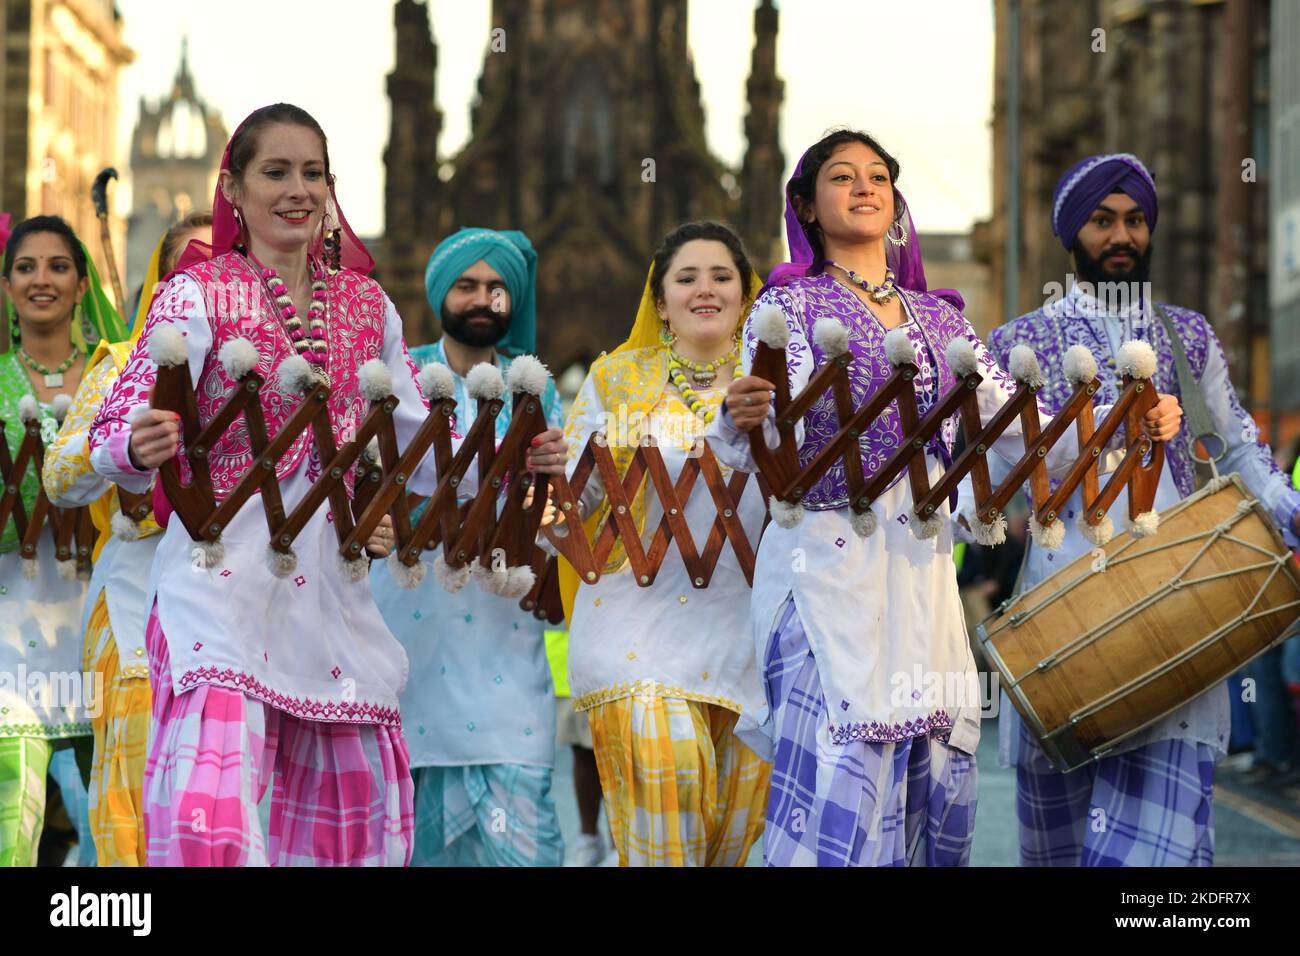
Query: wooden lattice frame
{"x":1139,"y":470}
{"x":72,"y":528}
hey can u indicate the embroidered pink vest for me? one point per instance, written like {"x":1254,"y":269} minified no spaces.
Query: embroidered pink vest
{"x":238,"y":307}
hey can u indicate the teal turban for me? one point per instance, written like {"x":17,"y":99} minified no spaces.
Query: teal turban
{"x":512,"y":256}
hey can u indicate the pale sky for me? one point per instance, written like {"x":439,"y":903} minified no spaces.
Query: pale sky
{"x":916,"y":74}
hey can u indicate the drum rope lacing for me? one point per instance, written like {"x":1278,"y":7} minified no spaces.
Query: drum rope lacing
{"x":1275,"y":561}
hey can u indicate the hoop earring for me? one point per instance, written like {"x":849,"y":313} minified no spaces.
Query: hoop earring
{"x":902,"y":236}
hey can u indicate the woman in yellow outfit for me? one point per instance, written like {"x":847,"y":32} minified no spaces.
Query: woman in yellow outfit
{"x":666,"y":672}
{"x":116,"y":604}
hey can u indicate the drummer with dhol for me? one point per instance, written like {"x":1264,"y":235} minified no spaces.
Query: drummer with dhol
{"x":1152,"y":802}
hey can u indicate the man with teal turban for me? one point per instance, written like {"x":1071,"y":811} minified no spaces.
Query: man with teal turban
{"x":479,"y":706}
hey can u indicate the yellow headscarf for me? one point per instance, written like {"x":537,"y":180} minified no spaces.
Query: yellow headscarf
{"x":103,"y":508}
{"x":646,"y":337}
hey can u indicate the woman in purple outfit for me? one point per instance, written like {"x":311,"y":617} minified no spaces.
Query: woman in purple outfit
{"x":872,"y":693}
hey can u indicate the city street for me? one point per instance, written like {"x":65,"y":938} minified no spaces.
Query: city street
{"x":1252,"y":826}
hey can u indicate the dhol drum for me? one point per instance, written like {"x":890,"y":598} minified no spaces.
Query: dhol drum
{"x":1110,"y":644}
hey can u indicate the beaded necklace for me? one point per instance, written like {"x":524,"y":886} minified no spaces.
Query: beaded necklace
{"x":315,"y":349}
{"x":676,"y":372}
{"x":879,"y":293}
{"x":53,"y":376}
{"x":703,"y":375}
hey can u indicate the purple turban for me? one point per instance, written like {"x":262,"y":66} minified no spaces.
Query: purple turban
{"x":1089,"y":181}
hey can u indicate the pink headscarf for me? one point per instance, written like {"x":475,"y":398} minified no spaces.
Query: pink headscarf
{"x":227,"y":231}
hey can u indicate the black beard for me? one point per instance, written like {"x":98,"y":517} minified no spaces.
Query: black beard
{"x":1092,"y":270}
{"x":457,"y":325}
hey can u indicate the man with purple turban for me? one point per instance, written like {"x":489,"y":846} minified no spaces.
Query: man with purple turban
{"x":1151,"y":803}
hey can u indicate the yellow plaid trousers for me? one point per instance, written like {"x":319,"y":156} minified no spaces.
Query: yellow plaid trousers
{"x":680,"y":788}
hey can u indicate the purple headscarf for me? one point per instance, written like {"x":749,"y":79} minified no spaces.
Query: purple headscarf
{"x":905,"y":260}
{"x":1089,"y":181}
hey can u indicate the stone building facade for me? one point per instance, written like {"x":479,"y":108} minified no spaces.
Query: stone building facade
{"x":59,"y":68}
{"x":588,"y":134}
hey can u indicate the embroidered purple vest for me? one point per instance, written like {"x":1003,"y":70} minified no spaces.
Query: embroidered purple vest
{"x":936,"y":323}
{"x":239,"y":307}
{"x":1050,"y":335}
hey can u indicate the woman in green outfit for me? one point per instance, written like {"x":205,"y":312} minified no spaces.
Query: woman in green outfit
{"x":54,"y":301}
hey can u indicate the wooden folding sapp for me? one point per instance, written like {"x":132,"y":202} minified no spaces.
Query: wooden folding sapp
{"x":791,"y":482}
{"x":647,"y":474}
{"x":71,"y":528}
{"x":381,"y":476}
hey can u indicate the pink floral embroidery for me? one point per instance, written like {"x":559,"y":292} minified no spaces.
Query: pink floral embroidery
{"x":349,"y":712}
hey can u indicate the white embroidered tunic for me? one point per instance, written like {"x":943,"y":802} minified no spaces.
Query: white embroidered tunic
{"x":312,"y":644}
{"x":882,"y":613}
{"x":669,"y":639}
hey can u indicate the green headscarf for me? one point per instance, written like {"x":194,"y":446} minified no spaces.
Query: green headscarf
{"x":97,"y":314}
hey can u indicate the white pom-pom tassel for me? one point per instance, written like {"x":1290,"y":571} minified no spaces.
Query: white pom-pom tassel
{"x":209,"y":554}
{"x":1080,"y":365}
{"x":59,"y":406}
{"x":961,"y":357}
{"x":784,"y":514}
{"x":1145,"y":524}
{"x":68,"y":569}
{"x":1136,"y":360}
{"x":437,"y":382}
{"x":864,"y":524}
{"x":831,"y":336}
{"x":1025,"y":367}
{"x":527,"y":374}
{"x":294,"y":376}
{"x":167,"y":346}
{"x":238,"y":357}
{"x":770,"y":327}
{"x":1047,"y":536}
{"x":28,"y":410}
{"x":899,"y":348}
{"x":354,"y":569}
{"x":484,"y":381}
{"x":925,"y":528}
{"x":1098,"y":534}
{"x":30,"y":568}
{"x":124,"y":527}
{"x":991,"y":533}
{"x":407,"y":576}
{"x":375,"y":380}
{"x":451,"y":579}
{"x":520,"y":581}
{"x":281,"y":563}
{"x":488,"y":579}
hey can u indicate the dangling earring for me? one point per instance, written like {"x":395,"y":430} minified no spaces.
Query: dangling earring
{"x":902,"y":236}
{"x":333,"y":249}
{"x":666,"y":334}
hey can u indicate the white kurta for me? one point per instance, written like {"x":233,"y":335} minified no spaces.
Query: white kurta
{"x":312,"y":644}
{"x":43,"y":692}
{"x":480,"y":688}
{"x":882,"y":613}
{"x":670,"y":639}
